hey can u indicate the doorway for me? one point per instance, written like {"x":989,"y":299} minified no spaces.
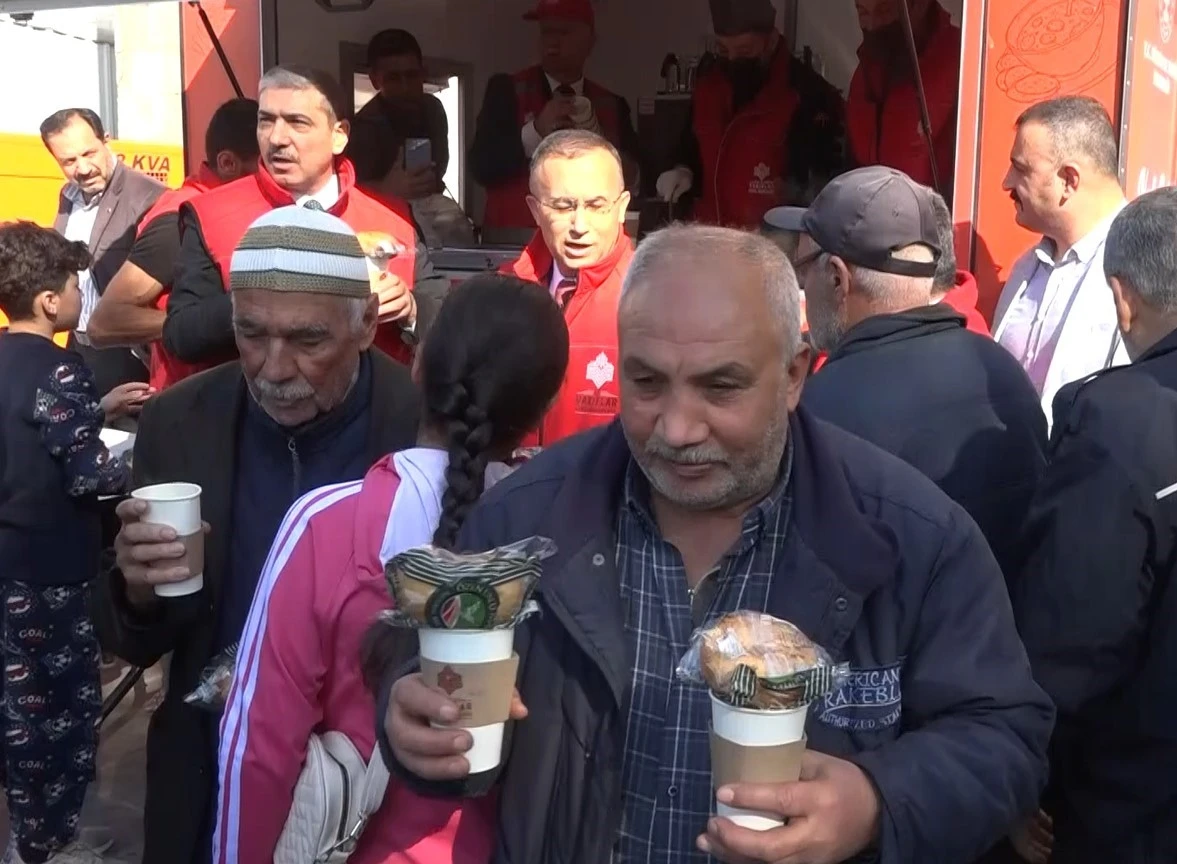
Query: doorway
{"x":446,"y":79}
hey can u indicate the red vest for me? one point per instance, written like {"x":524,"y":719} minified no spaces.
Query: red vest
{"x":226,"y":213}
{"x":743,"y":152}
{"x":167,"y":369}
{"x":885,"y":128}
{"x":589,"y":396}
{"x":506,"y":203}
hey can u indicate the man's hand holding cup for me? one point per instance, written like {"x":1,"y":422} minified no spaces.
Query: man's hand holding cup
{"x":160,"y":546}
{"x":832,"y":814}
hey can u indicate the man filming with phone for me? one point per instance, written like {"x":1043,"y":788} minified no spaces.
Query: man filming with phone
{"x":400,"y":139}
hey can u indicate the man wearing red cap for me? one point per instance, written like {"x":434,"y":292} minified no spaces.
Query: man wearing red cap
{"x":883,"y":118}
{"x":520,"y":110}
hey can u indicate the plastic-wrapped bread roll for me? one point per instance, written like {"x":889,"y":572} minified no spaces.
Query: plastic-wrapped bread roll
{"x":757,"y":661}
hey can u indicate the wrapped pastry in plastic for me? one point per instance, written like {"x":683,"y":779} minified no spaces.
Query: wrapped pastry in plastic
{"x":440,"y":589}
{"x":752,"y":660}
{"x":212,"y":689}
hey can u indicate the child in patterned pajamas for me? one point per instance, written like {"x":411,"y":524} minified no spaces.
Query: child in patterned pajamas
{"x":53,"y":467}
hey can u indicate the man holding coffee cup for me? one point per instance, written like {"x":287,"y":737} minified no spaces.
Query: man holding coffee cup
{"x":716,"y":493}
{"x":308,"y":405}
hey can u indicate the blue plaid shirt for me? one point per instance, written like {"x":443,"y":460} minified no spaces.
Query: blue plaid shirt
{"x":666,"y":769}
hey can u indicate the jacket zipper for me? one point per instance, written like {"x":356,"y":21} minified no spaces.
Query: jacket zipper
{"x":296,"y":464}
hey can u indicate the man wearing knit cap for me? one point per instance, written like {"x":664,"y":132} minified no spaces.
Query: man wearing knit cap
{"x":310,"y":404}
{"x":765,"y":128}
{"x":520,"y":110}
{"x":302,"y":132}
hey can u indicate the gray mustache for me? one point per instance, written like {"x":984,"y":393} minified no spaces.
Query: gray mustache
{"x":701,"y":455}
{"x":283,"y":392}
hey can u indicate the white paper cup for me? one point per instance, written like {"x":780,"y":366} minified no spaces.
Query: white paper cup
{"x":755,"y":728}
{"x":471,"y":647}
{"x":176,"y":505}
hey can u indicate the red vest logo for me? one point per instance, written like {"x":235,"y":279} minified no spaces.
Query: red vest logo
{"x":761,"y":183}
{"x":1165,"y":8}
{"x":599,"y":372}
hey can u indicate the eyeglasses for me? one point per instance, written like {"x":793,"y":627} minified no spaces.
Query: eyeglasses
{"x":801,"y":263}
{"x":566,"y":208}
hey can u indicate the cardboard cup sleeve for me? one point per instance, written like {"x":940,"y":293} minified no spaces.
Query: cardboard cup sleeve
{"x":482,"y":691}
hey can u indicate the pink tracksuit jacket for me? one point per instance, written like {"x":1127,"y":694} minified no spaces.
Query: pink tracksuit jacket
{"x":298,"y":670}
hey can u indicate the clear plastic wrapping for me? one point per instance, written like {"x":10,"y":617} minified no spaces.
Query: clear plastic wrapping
{"x":212,"y":689}
{"x":436,"y":588}
{"x":753,"y":660}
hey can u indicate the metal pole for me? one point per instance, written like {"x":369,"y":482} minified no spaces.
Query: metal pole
{"x":212,"y":35}
{"x":925,"y":117}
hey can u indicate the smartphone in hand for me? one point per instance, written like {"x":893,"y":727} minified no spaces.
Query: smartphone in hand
{"x":418,"y":153}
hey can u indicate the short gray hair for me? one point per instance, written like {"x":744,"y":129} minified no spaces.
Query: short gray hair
{"x":294,"y":77}
{"x":680,"y":241}
{"x":945,"y":278}
{"x":571,"y":143}
{"x":878,"y":286}
{"x":1078,"y":126}
{"x":1141,"y":249}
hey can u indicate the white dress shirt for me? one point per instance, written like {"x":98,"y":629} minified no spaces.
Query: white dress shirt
{"x":1057,"y":317}
{"x":327,"y":197}
{"x":79,"y":226}
{"x":531,"y":138}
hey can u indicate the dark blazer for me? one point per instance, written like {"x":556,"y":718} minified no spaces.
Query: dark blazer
{"x":189,"y":433}
{"x":128,"y":196}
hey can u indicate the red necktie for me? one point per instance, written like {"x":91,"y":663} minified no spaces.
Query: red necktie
{"x":564,"y":292}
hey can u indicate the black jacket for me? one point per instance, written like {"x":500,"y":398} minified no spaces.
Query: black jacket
{"x":1097,"y":609}
{"x":879,"y":567}
{"x":497,"y":155}
{"x":189,"y":433}
{"x":954,"y":404}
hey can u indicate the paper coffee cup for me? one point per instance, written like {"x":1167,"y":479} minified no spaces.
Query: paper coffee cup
{"x":177,"y":505}
{"x":477,"y":669}
{"x":755,"y":746}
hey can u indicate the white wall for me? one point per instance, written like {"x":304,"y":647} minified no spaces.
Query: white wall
{"x":46,"y":67}
{"x":52,"y":63}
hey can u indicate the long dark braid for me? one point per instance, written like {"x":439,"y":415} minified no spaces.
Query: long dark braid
{"x":469,"y":436}
{"x":491,"y":364}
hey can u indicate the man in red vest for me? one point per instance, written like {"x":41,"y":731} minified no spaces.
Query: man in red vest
{"x":581,"y":252}
{"x":883,"y":117}
{"x":520,"y":110}
{"x":301,"y":135}
{"x":765,"y":128}
{"x":132,"y":311}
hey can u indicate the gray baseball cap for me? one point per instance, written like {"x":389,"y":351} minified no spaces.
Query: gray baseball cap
{"x":865,"y":215}
{"x":733,"y":17}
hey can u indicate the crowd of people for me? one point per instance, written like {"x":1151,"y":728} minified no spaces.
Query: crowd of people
{"x":807,"y":417}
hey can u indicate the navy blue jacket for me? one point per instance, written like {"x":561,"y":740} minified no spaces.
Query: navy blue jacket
{"x":53,"y":464}
{"x":880,"y":568}
{"x":1097,"y":608}
{"x":954,"y":404}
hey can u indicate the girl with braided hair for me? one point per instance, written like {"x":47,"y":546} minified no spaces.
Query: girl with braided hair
{"x":490,"y":366}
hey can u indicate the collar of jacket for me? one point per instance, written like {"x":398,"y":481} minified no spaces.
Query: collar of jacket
{"x":536,"y":262}
{"x":281,"y":197}
{"x":848,"y":555}
{"x":897,"y":327}
{"x":204,"y":179}
{"x":1165,"y":346}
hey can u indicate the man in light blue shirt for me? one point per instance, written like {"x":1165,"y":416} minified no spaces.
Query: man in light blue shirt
{"x":100,"y":205}
{"x":1055,"y":314}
